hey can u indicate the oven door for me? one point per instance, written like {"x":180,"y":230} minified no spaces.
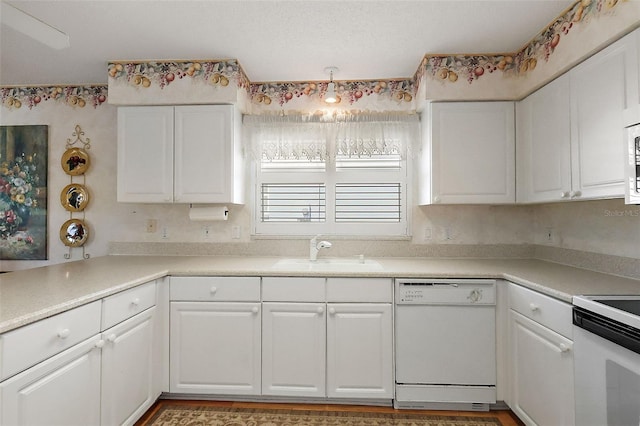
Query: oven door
{"x":607,"y":381}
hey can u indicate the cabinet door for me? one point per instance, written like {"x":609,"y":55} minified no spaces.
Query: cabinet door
{"x":145,"y":154}
{"x":63,"y":390}
{"x":543,"y":150}
{"x":127,"y":369}
{"x":215,"y":348}
{"x":203,"y":157}
{"x":293,"y":349}
{"x":359,"y":350}
{"x":541,"y":373}
{"x":473,"y":152}
{"x":602,"y":87}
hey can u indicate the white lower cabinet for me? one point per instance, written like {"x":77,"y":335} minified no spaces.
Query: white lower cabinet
{"x":109,"y":378}
{"x":215,"y":329}
{"x":215,"y":348}
{"x":359,"y":350}
{"x":128,"y":370}
{"x":64,"y":390}
{"x":541,"y":359}
{"x":341,"y":348}
{"x":293,"y":349}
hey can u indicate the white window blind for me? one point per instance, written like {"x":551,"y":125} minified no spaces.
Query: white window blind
{"x":333,"y":177}
{"x":368,"y":202}
{"x":290,"y":202}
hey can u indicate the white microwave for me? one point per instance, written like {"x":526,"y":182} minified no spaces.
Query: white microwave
{"x":632,"y":186}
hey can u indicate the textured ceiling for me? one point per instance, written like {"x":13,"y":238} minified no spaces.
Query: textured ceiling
{"x":272,"y":40}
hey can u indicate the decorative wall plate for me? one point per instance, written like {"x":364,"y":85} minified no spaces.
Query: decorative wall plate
{"x":75,"y":161}
{"x":74,"y":233}
{"x":74,"y":197}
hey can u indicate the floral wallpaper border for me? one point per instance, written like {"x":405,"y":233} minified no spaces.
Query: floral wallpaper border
{"x":214,"y":72}
{"x":73,"y":96}
{"x":470,"y":68}
{"x":401,"y":90}
{"x":446,"y":69}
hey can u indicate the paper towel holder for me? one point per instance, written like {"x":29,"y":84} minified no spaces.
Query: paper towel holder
{"x":208,"y":212}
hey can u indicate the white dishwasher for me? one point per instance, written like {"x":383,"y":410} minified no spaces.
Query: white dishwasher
{"x":445,"y":341}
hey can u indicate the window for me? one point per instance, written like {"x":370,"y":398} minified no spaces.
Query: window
{"x":343,"y":177}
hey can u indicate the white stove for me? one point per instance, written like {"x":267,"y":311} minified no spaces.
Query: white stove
{"x":607,"y":359}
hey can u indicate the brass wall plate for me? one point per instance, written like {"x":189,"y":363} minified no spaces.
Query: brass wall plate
{"x":74,"y":233}
{"x":74,"y":197}
{"x":75,"y":161}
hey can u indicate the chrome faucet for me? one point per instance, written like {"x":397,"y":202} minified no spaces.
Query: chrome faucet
{"x":315,"y":246}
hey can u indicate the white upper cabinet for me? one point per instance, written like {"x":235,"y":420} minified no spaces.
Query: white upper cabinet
{"x":570,"y":133}
{"x":602,"y":88}
{"x":543,"y":161}
{"x":182,"y":154}
{"x":145,"y":154}
{"x":468,"y":154}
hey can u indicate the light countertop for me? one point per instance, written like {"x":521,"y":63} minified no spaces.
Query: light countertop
{"x":34,"y":294}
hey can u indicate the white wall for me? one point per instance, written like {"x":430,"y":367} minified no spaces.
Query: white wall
{"x":607,"y":226}
{"x":601,"y":226}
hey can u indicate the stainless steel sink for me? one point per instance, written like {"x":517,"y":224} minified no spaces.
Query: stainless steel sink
{"x":328,"y":264}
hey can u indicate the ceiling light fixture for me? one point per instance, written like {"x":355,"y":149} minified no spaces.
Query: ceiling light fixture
{"x":331,"y":97}
{"x":33,"y":27}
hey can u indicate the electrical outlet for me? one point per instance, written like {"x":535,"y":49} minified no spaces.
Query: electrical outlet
{"x":152,"y":225}
{"x":206,"y":232}
{"x":549,"y":235}
{"x":427,"y":233}
{"x":165,"y":233}
{"x":235,"y":232}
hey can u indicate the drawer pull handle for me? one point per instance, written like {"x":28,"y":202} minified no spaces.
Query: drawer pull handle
{"x":135,"y":302}
{"x":63,"y":334}
{"x":320,"y":309}
{"x":99,"y":344}
{"x":254,"y":309}
{"x":213,"y":290}
{"x":564,"y":194}
{"x":112,"y":338}
{"x":332,"y":311}
{"x":564,"y":348}
{"x":534,"y":307}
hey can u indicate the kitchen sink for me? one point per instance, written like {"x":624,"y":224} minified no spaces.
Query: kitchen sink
{"x":328,"y":264}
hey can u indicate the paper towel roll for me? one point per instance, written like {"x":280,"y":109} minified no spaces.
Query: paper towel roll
{"x":208,"y":213}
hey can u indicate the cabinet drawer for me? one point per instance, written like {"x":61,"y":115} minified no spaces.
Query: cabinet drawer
{"x":359,"y":290}
{"x":224,"y":289}
{"x":293,"y":289}
{"x":128,"y":303}
{"x":550,"y":312}
{"x":28,"y":345}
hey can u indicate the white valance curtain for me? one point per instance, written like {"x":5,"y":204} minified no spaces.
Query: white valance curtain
{"x":316,"y":138}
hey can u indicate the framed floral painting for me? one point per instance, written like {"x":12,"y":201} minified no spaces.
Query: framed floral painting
{"x":23,"y":192}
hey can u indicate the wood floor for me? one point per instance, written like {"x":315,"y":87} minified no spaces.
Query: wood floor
{"x":506,"y":417}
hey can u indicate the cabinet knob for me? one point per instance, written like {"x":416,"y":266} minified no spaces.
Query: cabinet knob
{"x":99,"y":344}
{"x":534,"y":307}
{"x":213,"y":290}
{"x":64,"y":333}
{"x":436,"y":199}
{"x":254,"y":309}
{"x":320,"y":309}
{"x":112,"y":338}
{"x":332,"y":311}
{"x":575,"y":194}
{"x":135,"y":302}
{"x":564,"y":194}
{"x":564,"y":348}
